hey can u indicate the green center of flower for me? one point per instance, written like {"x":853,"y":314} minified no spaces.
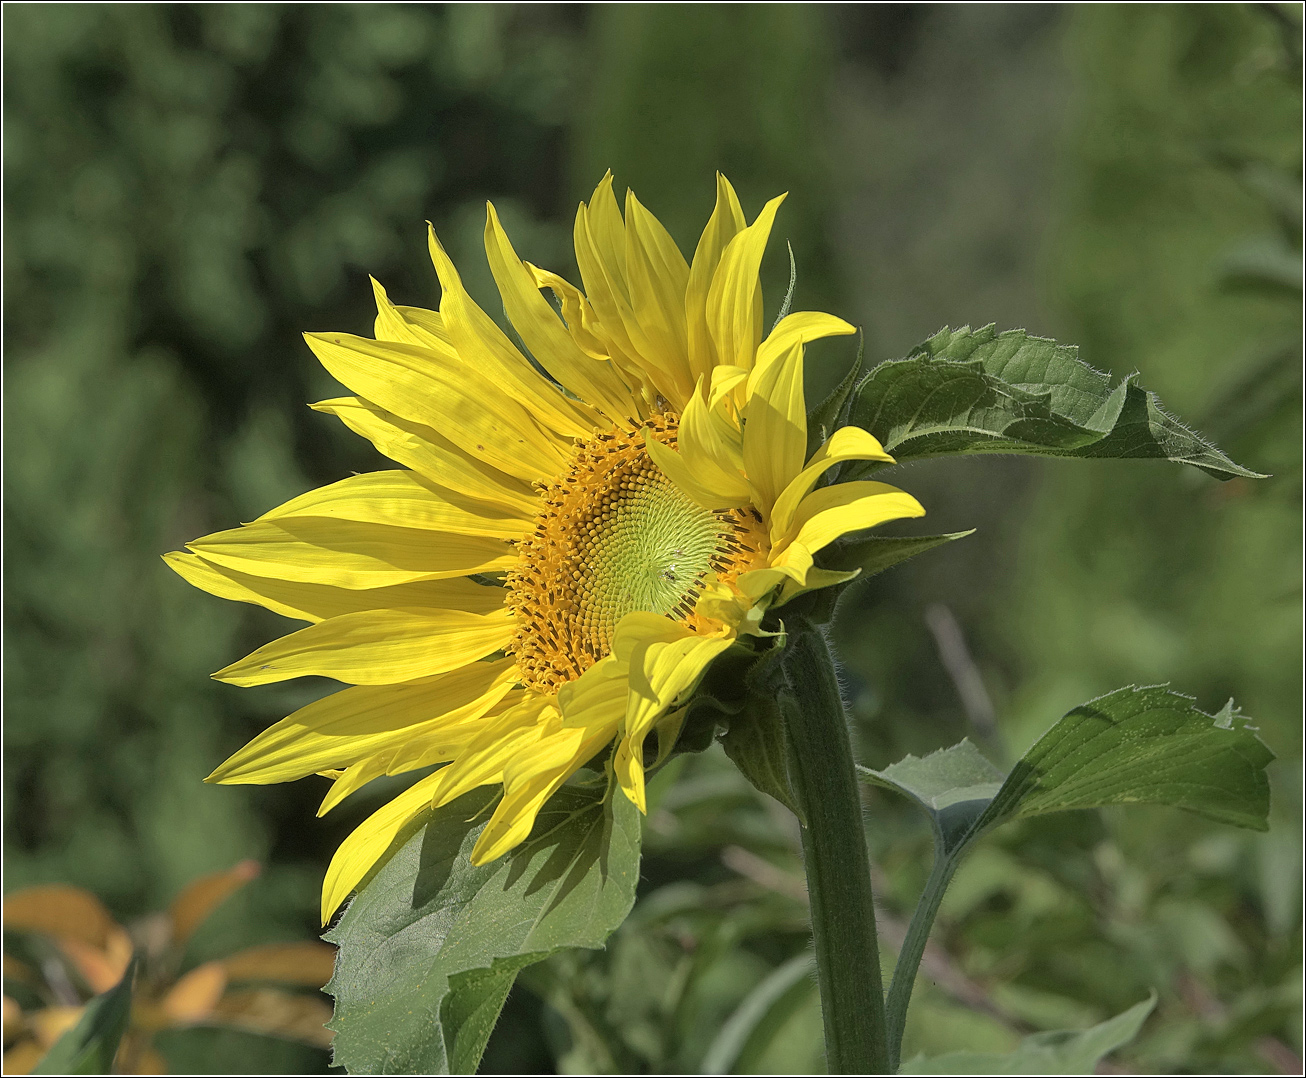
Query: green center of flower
{"x":646,"y":546}
{"x":614,"y":536}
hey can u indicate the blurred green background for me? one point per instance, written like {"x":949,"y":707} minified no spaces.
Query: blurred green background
{"x":187,"y":188}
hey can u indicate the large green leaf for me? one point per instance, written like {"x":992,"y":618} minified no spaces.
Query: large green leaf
{"x":980,"y":391}
{"x":1063,"y":1051}
{"x":432,"y":944}
{"x":89,"y":1047}
{"x":1131,"y":746}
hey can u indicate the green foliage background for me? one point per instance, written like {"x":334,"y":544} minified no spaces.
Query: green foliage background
{"x":187,"y":188}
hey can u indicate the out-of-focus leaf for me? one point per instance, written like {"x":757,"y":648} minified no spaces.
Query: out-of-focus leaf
{"x":59,"y":911}
{"x":1266,"y":264}
{"x":195,"y":995}
{"x":431,"y":945}
{"x":1063,"y":1051}
{"x":89,"y":1047}
{"x":308,"y":963}
{"x":202,"y":896}
{"x":762,"y":1010}
{"x":291,"y":1015}
{"x":101,"y":967}
{"x":979,"y":391}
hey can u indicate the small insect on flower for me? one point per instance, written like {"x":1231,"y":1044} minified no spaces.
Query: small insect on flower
{"x":558,"y":558}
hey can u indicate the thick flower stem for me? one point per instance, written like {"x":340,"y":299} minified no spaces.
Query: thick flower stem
{"x":834,"y":853}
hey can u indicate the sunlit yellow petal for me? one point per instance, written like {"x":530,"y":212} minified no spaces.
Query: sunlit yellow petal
{"x":658,"y":275}
{"x":316,"y":602}
{"x":468,"y":409}
{"x":512,"y":732}
{"x":711,"y":492}
{"x":775,"y":430}
{"x":484,"y":348}
{"x":830,"y":512}
{"x":666,"y":661}
{"x":847,"y":443}
{"x":725,"y":223}
{"x":398,"y":324}
{"x":734,"y":315}
{"x":545,"y":335}
{"x":425,"y":451}
{"x":353,"y":723}
{"x":799,"y":328}
{"x":372,"y":838}
{"x":376,"y":647}
{"x":405,"y":500}
{"x":349,"y":553}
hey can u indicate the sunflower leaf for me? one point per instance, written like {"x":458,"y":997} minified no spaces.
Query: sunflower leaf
{"x":980,"y":391}
{"x":89,"y":1047}
{"x":1131,"y":746}
{"x":432,"y":944}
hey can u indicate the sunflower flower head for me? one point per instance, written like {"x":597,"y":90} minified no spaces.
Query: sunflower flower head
{"x":572,"y":534}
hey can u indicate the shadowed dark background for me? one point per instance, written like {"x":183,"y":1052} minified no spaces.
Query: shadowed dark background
{"x":188,"y":188}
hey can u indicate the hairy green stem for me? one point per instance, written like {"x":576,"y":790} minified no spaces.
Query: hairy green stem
{"x":913,"y":947}
{"x":834,"y":855}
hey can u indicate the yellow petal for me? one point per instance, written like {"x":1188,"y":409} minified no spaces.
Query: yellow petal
{"x":469,"y":409}
{"x":354,"y":777}
{"x":432,"y":455}
{"x":709,"y":446}
{"x":599,"y":384}
{"x":511,"y":732}
{"x":343,"y":728}
{"x":701,"y":489}
{"x":349,"y":553}
{"x":734,"y":315}
{"x":666,"y":662}
{"x":658,"y":275}
{"x":830,"y":512}
{"x":531,"y":778}
{"x":398,"y":325}
{"x":447,"y":741}
{"x":601,"y":254}
{"x":724,"y":381}
{"x":485,"y":349}
{"x":726,"y":221}
{"x":775,"y":431}
{"x":376,"y":647}
{"x":847,"y":443}
{"x":402,"y":499}
{"x":365,"y":846}
{"x":799,"y":328}
{"x":317,"y":602}
{"x":579,"y":316}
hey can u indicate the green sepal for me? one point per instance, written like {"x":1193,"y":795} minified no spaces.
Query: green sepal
{"x":89,"y":1047}
{"x":979,"y":391}
{"x":852,"y":559}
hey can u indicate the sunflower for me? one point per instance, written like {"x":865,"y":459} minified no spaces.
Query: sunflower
{"x":574,"y":533}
